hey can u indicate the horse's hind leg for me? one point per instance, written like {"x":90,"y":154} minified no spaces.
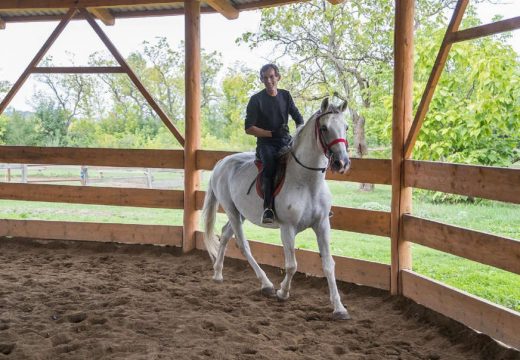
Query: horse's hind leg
{"x":236,"y":224}
{"x":227,"y":232}
{"x":322,"y":231}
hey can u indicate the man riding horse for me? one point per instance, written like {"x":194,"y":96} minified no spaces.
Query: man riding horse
{"x":267,"y":119}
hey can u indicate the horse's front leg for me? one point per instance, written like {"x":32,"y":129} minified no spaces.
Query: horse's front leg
{"x":288,"y":234}
{"x":322,"y":231}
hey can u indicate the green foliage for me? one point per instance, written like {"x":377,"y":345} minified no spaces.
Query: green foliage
{"x":19,"y":129}
{"x":474,"y":115}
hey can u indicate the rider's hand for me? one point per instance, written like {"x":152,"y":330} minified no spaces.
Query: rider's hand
{"x":281,"y":132}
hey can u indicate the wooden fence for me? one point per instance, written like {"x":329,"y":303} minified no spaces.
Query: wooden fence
{"x":487,"y":182}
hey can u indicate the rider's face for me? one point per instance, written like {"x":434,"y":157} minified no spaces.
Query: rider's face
{"x":270,"y":80}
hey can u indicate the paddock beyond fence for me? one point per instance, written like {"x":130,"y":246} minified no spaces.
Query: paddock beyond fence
{"x":501,"y":252}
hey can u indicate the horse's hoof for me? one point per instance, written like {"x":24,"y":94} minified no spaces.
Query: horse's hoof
{"x":282,"y":298}
{"x":340,"y":315}
{"x":218,"y":279}
{"x":268,"y":292}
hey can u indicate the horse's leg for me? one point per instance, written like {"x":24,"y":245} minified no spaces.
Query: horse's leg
{"x":322,"y":231}
{"x":242,"y":243}
{"x":227,"y":233}
{"x":288,"y":235}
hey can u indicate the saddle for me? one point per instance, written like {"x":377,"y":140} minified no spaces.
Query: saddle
{"x":279,"y":177}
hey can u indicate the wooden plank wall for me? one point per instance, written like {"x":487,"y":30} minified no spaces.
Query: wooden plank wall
{"x":85,"y":231}
{"x":498,"y":322}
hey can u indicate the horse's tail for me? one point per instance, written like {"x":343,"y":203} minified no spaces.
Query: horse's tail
{"x":209,"y":213}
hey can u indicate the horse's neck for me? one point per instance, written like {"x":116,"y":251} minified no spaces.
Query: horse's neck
{"x":309,"y":153}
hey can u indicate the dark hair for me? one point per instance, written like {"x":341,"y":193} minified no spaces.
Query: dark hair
{"x":267,"y":67}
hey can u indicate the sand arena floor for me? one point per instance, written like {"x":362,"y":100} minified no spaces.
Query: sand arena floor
{"x":77,"y":300}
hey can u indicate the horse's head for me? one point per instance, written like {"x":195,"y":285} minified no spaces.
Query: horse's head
{"x":331,"y":130}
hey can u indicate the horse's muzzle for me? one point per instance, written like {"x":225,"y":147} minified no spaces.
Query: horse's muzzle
{"x":340,"y":166}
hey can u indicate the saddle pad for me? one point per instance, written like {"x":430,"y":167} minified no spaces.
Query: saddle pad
{"x":279,"y":178}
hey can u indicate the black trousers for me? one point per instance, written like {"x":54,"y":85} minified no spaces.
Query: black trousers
{"x":268,"y":154}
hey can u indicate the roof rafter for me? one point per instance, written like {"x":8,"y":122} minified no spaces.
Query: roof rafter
{"x":104,"y":15}
{"x":63,"y":4}
{"x":224,"y":7}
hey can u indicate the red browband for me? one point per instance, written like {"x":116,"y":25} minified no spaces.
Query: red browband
{"x":326,"y":147}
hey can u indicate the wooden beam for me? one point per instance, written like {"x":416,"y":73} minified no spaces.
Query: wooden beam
{"x":401,"y":256}
{"x":478,"y":246}
{"x":151,"y":198}
{"x":480,"y":181}
{"x":37,"y":58}
{"x":224,"y":7}
{"x":496,"y":321}
{"x":361,"y":221}
{"x":309,"y":262}
{"x":193,"y":126}
{"x":103,"y":14}
{"x":161,"y":159}
{"x":374,"y":171}
{"x":78,"y":70}
{"x":62,"y":4}
{"x":86,"y":231}
{"x":435,"y":75}
{"x":485,"y":30}
{"x":265,"y":4}
{"x":138,"y":84}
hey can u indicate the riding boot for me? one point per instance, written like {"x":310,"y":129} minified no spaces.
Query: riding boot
{"x":268,"y":215}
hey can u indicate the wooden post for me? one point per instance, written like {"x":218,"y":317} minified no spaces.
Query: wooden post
{"x":401,"y":122}
{"x":192,"y":132}
{"x":24,"y":173}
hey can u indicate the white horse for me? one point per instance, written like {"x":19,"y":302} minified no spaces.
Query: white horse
{"x":303,"y":202}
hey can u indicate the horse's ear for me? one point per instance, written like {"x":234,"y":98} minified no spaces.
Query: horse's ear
{"x":343,"y":106}
{"x":324,"y":105}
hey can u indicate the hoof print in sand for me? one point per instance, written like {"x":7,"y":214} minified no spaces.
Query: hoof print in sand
{"x":6,"y":348}
{"x":77,"y":317}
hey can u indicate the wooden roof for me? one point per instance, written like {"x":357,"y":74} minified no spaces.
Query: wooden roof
{"x":110,"y":10}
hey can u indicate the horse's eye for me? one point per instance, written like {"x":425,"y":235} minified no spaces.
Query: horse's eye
{"x":323,"y":128}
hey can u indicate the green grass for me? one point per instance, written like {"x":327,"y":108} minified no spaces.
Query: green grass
{"x":495,"y":285}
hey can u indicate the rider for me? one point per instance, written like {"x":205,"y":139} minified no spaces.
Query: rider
{"x":267,"y":117}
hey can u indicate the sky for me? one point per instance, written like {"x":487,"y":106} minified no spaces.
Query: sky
{"x":20,"y":42}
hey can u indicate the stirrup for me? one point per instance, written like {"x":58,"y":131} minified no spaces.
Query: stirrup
{"x":268,"y":216}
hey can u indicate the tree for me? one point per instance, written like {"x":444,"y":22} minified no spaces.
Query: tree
{"x":474,"y":115}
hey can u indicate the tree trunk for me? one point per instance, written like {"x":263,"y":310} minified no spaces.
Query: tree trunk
{"x":360,"y":143}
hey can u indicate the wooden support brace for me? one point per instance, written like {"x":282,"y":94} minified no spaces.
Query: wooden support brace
{"x":2,"y":24}
{"x":224,"y":7}
{"x":485,"y":30}
{"x":120,"y":59}
{"x":78,"y":70}
{"x":104,"y":15}
{"x":435,"y":75}
{"x":37,"y":58}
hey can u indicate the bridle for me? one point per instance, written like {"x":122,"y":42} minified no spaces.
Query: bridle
{"x":321,"y":140}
